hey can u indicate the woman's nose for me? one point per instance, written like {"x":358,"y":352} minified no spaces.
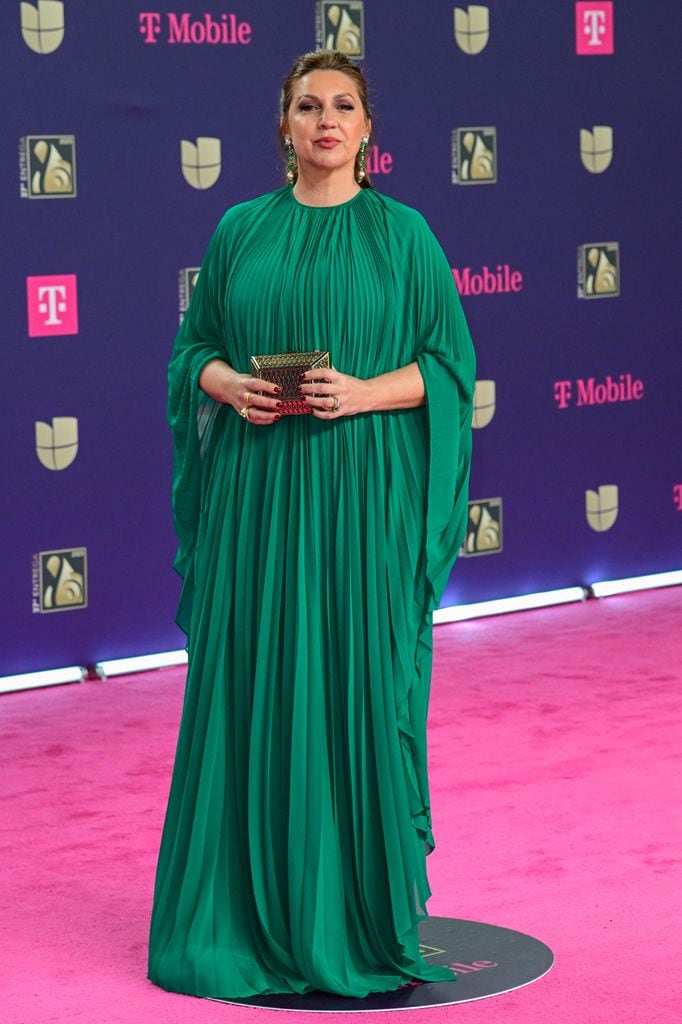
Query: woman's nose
{"x":327,"y":119}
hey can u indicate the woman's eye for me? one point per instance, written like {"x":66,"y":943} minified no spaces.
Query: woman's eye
{"x":346,"y":106}
{"x":307,"y":106}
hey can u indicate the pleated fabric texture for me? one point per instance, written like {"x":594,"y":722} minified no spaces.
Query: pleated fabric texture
{"x":293,"y":854}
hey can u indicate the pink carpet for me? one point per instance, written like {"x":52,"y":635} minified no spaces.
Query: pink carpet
{"x":556,"y":779}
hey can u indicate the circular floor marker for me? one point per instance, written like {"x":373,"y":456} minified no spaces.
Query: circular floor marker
{"x":487,"y":960}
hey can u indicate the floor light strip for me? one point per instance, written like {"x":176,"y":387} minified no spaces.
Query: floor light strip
{"x":123,"y":666}
{"x":660,"y":579}
{"x":51,"y":677}
{"x":509,"y":604}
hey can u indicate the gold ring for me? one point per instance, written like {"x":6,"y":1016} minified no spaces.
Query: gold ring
{"x":244,"y":412}
{"x":248,"y":396}
{"x":335,"y":407}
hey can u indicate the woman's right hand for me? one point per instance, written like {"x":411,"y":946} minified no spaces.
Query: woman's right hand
{"x":240,"y":390}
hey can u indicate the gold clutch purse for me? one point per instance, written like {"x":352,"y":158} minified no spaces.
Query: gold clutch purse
{"x":285,"y":369}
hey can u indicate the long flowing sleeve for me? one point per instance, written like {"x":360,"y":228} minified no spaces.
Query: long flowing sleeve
{"x":447,"y":363}
{"x":191,"y":413}
{"x":445,"y":356}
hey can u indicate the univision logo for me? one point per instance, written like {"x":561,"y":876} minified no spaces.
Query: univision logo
{"x":601,"y":507}
{"x":596,"y":148}
{"x":201,"y":161}
{"x":484,"y":404}
{"x":485,"y":281}
{"x":57,"y":444}
{"x":42,"y":25}
{"x":472,"y":28}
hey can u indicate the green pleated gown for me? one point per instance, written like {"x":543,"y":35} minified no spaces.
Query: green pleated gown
{"x":293,"y":854}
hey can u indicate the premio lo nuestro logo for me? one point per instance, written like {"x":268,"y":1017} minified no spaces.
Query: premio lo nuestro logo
{"x":484,"y":403}
{"x":596,"y":148}
{"x":598,"y":270}
{"x":201,"y":161}
{"x":60,"y":580}
{"x":593,"y":28}
{"x":194,"y":30}
{"x":47,"y":166}
{"x":42,"y":25}
{"x":341,"y":27}
{"x":187,"y":282}
{"x":472,"y":28}
{"x":57,"y":443}
{"x":52,"y":305}
{"x":601,"y":507}
{"x":474,"y":156}
{"x":484,"y":527}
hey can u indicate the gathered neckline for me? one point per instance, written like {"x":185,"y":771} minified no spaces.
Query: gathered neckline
{"x":332,"y":206}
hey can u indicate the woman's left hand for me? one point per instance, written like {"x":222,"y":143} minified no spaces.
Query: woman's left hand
{"x":332,"y":394}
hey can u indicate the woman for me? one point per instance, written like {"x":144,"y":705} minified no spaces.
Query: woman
{"x":313,"y":549}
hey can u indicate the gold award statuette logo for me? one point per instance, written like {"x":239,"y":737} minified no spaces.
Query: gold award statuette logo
{"x":474,"y":156}
{"x":484,"y":528}
{"x":57,"y":445}
{"x":484,"y":403}
{"x":42,"y":25}
{"x":596,"y":148}
{"x":200,"y":161}
{"x":601,"y":507}
{"x":599,"y":270}
{"x":62,"y":580}
{"x":48,"y":166}
{"x":472,"y":28}
{"x":186,"y":285}
{"x":342,"y":27}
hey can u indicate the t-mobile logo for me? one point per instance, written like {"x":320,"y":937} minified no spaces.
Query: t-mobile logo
{"x":52,"y":300}
{"x":594,"y":27}
{"x":52,"y":305}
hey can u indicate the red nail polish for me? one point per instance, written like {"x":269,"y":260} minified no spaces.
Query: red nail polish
{"x":278,"y":390}
{"x":280,"y":405}
{"x":278,"y":416}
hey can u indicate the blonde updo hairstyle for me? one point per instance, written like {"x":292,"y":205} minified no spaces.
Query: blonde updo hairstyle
{"x":324,"y":60}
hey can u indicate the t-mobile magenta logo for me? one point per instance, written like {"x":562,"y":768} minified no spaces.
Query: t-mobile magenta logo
{"x":594,"y":27}
{"x":188,"y":29}
{"x":52,"y":305}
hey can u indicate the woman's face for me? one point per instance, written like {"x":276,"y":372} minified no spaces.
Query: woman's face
{"x":326,"y":122}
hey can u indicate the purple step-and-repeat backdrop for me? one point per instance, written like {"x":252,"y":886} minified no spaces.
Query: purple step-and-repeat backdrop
{"x":536,"y":138}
